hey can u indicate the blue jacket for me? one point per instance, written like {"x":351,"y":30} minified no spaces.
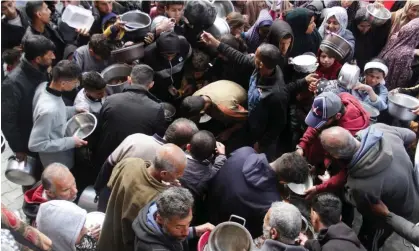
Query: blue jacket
{"x":380,"y":103}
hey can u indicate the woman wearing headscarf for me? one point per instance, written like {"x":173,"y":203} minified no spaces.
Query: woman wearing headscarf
{"x":252,"y":10}
{"x":399,"y":54}
{"x":370,"y":40}
{"x":258,"y":32}
{"x":336,"y":21}
{"x":403,"y":16}
{"x":350,"y":6}
{"x":306,"y":37}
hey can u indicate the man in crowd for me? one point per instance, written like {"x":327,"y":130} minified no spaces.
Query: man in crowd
{"x":50,"y":116}
{"x":248,"y":184}
{"x":18,"y":90}
{"x":134,"y":183}
{"x":57,"y":183}
{"x":164,"y":224}
{"x":116,"y":120}
{"x":281,"y":227}
{"x":39,"y":14}
{"x":101,"y":9}
{"x":93,"y":56}
{"x":167,"y":57}
{"x":325,"y":217}
{"x":13,"y":25}
{"x":379,"y":166}
{"x":328,"y":110}
{"x":139,"y":145}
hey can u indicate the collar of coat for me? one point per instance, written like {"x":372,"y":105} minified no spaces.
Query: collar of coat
{"x":141,"y":89}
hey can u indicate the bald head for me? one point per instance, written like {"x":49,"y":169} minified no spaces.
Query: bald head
{"x":170,"y":158}
{"x":339,"y":142}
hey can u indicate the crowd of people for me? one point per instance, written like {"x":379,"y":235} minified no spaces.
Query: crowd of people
{"x":247,"y":126}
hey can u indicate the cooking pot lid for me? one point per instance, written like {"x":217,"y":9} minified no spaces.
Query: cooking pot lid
{"x":300,"y":188}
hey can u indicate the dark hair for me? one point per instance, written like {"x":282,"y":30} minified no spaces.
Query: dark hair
{"x":200,"y":60}
{"x":66,"y":70}
{"x":142,"y":74}
{"x":235,"y":43}
{"x":287,"y":36}
{"x":329,"y":208}
{"x":180,"y":132}
{"x":235,"y":20}
{"x":168,"y":3}
{"x":192,"y":106}
{"x":202,"y":145}
{"x":269,"y":55}
{"x":32,"y":7}
{"x":93,"y":81}
{"x":100,"y":46}
{"x":11,"y":56}
{"x":291,"y":168}
{"x":378,"y":60}
{"x":37,"y":46}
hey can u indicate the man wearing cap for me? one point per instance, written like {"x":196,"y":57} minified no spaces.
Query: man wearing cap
{"x":167,"y":57}
{"x":328,"y":110}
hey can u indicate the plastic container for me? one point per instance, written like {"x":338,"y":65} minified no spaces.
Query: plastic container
{"x":78,"y":17}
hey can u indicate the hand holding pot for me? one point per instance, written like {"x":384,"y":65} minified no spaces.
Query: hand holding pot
{"x":200,"y":230}
{"x":79,"y":142}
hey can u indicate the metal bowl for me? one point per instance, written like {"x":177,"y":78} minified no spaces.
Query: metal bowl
{"x":300,"y":188}
{"x":169,"y":111}
{"x":21,"y":172}
{"x":81,"y":125}
{"x":401,"y":105}
{"x":128,"y":54}
{"x":377,"y":16}
{"x":372,"y":111}
{"x":87,"y":199}
{"x":136,"y":20}
{"x":223,"y":7}
{"x":116,"y":71}
{"x":304,"y":63}
{"x":349,"y":75}
{"x":219,"y":28}
{"x":336,"y":46}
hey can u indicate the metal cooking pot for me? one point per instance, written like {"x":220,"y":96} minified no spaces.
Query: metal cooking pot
{"x":136,"y":21}
{"x":128,"y":54}
{"x":219,"y":28}
{"x":81,"y":125}
{"x":223,"y":7}
{"x":200,"y":13}
{"x":169,"y":111}
{"x":349,"y":75}
{"x":21,"y":172}
{"x":336,"y":46}
{"x":88,"y":200}
{"x":230,"y":236}
{"x":377,"y":16}
{"x":401,"y":105}
{"x":304,"y":63}
{"x":372,"y":111}
{"x":113,"y":72}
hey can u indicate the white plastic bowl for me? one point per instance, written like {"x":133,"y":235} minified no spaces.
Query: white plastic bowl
{"x":78,"y":17}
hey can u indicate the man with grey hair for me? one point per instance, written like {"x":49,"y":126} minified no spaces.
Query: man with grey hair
{"x":135,"y":110}
{"x":164,"y":224}
{"x":379,"y":168}
{"x":139,"y":145}
{"x":134,"y":183}
{"x":281,"y":227}
{"x":57,"y":183}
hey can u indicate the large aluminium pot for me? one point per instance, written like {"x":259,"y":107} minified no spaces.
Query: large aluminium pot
{"x":377,"y":16}
{"x":116,"y":71}
{"x":219,"y":28}
{"x":200,"y":14}
{"x":335,"y":45}
{"x":401,"y":105}
{"x":88,"y":200}
{"x":136,"y":21}
{"x":128,"y":54}
{"x":349,"y":75}
{"x":21,"y":172}
{"x":230,"y":235}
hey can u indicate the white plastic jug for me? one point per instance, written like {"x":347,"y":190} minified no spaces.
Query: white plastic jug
{"x":78,"y":17}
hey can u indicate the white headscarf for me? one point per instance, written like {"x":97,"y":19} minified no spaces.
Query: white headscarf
{"x":341,"y":16}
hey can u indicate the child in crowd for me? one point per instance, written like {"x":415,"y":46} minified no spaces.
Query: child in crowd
{"x":113,"y":28}
{"x":174,"y":10}
{"x":11,"y":58}
{"x":195,"y":77}
{"x":92,"y":96}
{"x":158,"y":9}
{"x":328,"y":67}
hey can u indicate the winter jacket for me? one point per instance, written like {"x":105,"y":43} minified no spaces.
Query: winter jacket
{"x":382,"y":168}
{"x":13,"y":34}
{"x":150,"y":237}
{"x":273,"y":245}
{"x":382,"y":96}
{"x":116,"y":120}
{"x":404,"y":228}
{"x":277,"y":31}
{"x":334,"y":238}
{"x":167,"y":73}
{"x":32,"y":199}
{"x":248,"y":186}
{"x":17,"y":92}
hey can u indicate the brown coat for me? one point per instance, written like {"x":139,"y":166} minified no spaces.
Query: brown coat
{"x":132,"y":188}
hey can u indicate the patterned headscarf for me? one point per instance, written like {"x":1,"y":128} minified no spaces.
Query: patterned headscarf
{"x":341,"y":16}
{"x":399,"y":18}
{"x":253,"y":39}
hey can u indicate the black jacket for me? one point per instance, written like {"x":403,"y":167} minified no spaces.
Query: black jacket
{"x":12,"y":34}
{"x":278,"y":30}
{"x":17,"y":92}
{"x":166,"y":73}
{"x":133,"y":111}
{"x":272,"y":245}
{"x":336,"y":237}
{"x":269,"y":117}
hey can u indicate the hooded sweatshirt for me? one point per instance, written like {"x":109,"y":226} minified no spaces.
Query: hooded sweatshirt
{"x":335,"y":237}
{"x":248,"y":186}
{"x":382,"y":167}
{"x":272,"y":245}
{"x":32,"y":199}
{"x":278,"y":31}
{"x":62,"y":221}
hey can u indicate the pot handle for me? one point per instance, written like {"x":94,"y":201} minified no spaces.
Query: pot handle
{"x":290,"y":60}
{"x":237,"y":217}
{"x":305,"y":222}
